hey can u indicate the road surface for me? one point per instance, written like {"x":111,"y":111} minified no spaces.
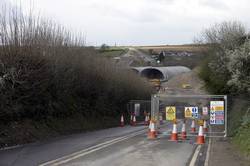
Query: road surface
{"x":120,"y":146}
{"x":115,"y":146}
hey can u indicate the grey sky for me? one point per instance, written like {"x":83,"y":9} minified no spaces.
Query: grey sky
{"x":140,"y":22}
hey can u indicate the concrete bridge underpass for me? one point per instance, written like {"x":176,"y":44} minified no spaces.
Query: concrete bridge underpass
{"x":162,"y":73}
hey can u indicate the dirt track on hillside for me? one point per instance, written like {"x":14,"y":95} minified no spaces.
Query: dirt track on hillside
{"x":174,"y":85}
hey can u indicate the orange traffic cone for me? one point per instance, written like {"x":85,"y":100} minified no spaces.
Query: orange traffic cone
{"x":193,"y":127}
{"x":134,"y":121}
{"x":131,"y":119}
{"x":183,"y":131}
{"x":152,"y":132}
{"x":200,"y":137}
{"x":161,"y":119}
{"x":174,"y":135}
{"x":149,"y":126}
{"x":146,"y":120}
{"x":122,"y":121}
{"x":205,"y":126}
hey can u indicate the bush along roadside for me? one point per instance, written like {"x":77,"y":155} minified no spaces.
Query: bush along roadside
{"x":242,"y":136}
{"x":51,"y":84}
{"x":226,"y":70}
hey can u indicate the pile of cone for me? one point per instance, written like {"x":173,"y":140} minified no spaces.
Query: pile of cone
{"x":200,"y":137}
{"x":152,"y":130}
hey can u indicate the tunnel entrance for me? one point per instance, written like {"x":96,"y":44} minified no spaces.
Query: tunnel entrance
{"x":152,"y":73}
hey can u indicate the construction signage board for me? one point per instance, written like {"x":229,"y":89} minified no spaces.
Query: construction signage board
{"x":217,"y":112}
{"x":204,"y":111}
{"x":188,"y":112}
{"x":170,"y":113}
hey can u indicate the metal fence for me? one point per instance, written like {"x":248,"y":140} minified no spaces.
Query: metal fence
{"x":139,"y":108}
{"x":211,"y":108}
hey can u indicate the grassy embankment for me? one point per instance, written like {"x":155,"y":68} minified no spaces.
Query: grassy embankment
{"x":239,"y":125}
{"x":112,"y":52}
{"x":50,"y":84}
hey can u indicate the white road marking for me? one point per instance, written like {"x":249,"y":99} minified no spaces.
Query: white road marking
{"x":11,"y":147}
{"x":194,"y":158}
{"x":208,"y":153}
{"x":92,"y":149}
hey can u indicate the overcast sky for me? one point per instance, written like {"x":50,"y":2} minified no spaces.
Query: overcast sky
{"x":140,"y":22}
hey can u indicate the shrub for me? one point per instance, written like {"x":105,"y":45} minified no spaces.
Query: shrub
{"x":104,"y":47}
{"x":47,"y":72}
{"x":242,"y":136}
{"x":239,"y":68}
{"x":221,"y":39}
{"x":227,"y":34}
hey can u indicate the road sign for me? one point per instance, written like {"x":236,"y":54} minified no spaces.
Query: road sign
{"x":200,"y":122}
{"x":195,"y":112}
{"x":188,"y":112}
{"x":170,"y":113}
{"x":204,"y":111}
{"x":217,"y":112}
{"x":191,"y":112}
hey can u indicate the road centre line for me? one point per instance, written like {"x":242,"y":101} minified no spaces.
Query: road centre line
{"x":208,"y":153}
{"x":208,"y":150}
{"x":195,"y":156}
{"x":70,"y":157}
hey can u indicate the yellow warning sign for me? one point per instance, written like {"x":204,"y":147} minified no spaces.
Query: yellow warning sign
{"x":188,"y":112}
{"x":219,"y":108}
{"x":200,"y":122}
{"x":170,"y":113}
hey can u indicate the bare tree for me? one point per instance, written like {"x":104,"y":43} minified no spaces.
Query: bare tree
{"x":228,"y":34}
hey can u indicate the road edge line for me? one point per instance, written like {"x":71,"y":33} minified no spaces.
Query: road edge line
{"x":11,"y":147}
{"x":90,"y":149}
{"x":208,"y":153}
{"x":195,"y":156}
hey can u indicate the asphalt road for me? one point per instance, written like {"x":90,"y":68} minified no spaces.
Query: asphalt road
{"x":115,"y":146}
